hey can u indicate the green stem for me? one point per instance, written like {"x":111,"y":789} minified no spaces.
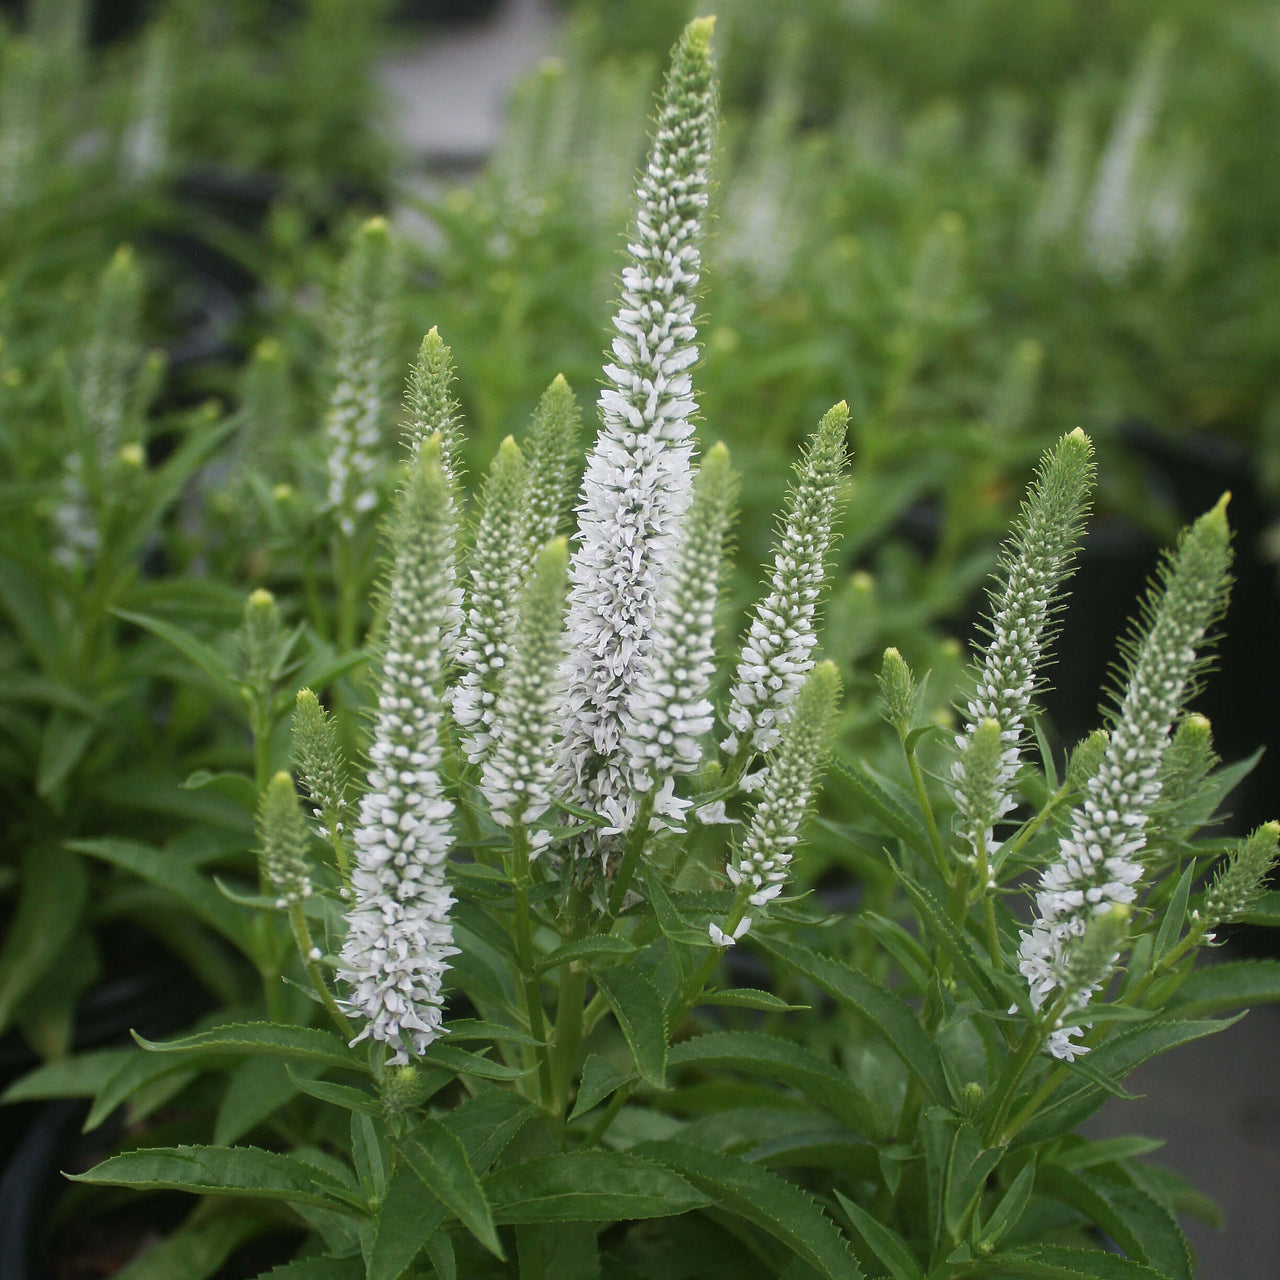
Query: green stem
{"x":302,"y":936}
{"x":926,"y":807}
{"x":1020,"y":840}
{"x":988,"y":903}
{"x":636,"y":839}
{"x":1010,"y":1078}
{"x":702,"y":975}
{"x":601,"y":1126}
{"x":524,"y":949}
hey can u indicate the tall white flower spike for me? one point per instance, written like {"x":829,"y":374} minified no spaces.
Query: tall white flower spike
{"x":1035,"y":562}
{"x":399,"y":936}
{"x":638,"y":478}
{"x":1099,"y":863}
{"x":778,"y":651}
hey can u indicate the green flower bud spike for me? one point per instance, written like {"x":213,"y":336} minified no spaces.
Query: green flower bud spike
{"x":552,"y":449}
{"x":260,"y":636}
{"x":1086,"y":759}
{"x":322,"y":766}
{"x":898,"y":692}
{"x":282,"y":842}
{"x":430,"y":407}
{"x":1242,"y":879}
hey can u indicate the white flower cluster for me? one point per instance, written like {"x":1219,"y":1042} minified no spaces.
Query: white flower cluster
{"x":670,"y":711}
{"x":519,"y":776}
{"x":498,"y":564}
{"x":353,"y":420}
{"x":778,"y":652}
{"x":637,"y":484}
{"x":399,"y":937}
{"x":1036,"y":561}
{"x":1098,"y":866}
{"x":764,"y":860}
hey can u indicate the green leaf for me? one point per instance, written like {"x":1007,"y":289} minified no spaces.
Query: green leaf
{"x":157,"y":867}
{"x":80,"y":1076}
{"x":1006,"y":1215}
{"x":1171,"y":925}
{"x":439,"y":1159}
{"x":258,"y":1086}
{"x":239,"y":1171}
{"x":54,"y":891}
{"x":887,"y":1245}
{"x":643,"y":1018}
{"x":765,"y":1200}
{"x":1136,"y":1221}
{"x":65,"y":740}
{"x":139,"y":1072}
{"x":344,"y":1095}
{"x":1056,"y":1262}
{"x":600,"y":944}
{"x":237,"y":787}
{"x":784,"y":1061}
{"x":589,"y":1186}
{"x":1266,"y":911}
{"x":209,"y":660}
{"x":371,"y":1154}
{"x":558,"y":1251}
{"x":1116,"y":1057}
{"x":600,"y":1078}
{"x":487,"y":1123}
{"x":968,"y":1168}
{"x":320,"y":1269}
{"x":881,"y":1009}
{"x":405,"y":1221}
{"x":256,"y":1039}
{"x":1088,"y":1154}
{"x":748,"y":998}
{"x":877,"y":799}
{"x":471,"y":1064}
{"x":196,"y":1250}
{"x":1218,"y":988}
{"x":440,"y":1252}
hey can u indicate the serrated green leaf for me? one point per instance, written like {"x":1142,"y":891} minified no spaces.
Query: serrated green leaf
{"x":404,"y":1222}
{"x":51,"y":903}
{"x":600,"y":1078}
{"x":1088,"y":1154}
{"x":188,"y":886}
{"x":240,"y":1171}
{"x":138,"y":1074}
{"x":439,"y":1159}
{"x":589,"y":1186}
{"x":345,"y":1096}
{"x":487,"y":1123}
{"x":252,"y":1039}
{"x":1221,"y":987}
{"x":601,"y":944}
{"x":968,"y":1168}
{"x":887,"y":1245}
{"x":318,"y":1269}
{"x":878,"y":801}
{"x":466,"y":1063}
{"x":748,"y":998}
{"x":1057,"y":1262}
{"x":1116,"y":1057}
{"x":764,"y":1199}
{"x":643,"y":1018}
{"x":788,"y":1063}
{"x":197,"y":1249}
{"x":880,"y":1008}
{"x":1137,"y":1222}
{"x":1007,"y":1213}
{"x":370,"y":1154}
{"x":1175,"y":914}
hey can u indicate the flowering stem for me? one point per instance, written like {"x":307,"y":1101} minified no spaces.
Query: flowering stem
{"x":631,"y":856}
{"x":1018,"y":842}
{"x":926,"y":807}
{"x":302,"y":936}
{"x":524,"y":948}
{"x":1010,"y":1078}
{"x":702,"y":975}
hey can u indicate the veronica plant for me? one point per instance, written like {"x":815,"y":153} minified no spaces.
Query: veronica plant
{"x":493,"y":1036}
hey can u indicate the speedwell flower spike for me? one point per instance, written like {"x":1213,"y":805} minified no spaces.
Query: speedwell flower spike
{"x":429,"y":404}
{"x":518,"y":777}
{"x":553,"y":445}
{"x":778,"y":651}
{"x":399,"y":936}
{"x":282,"y":842}
{"x":354,"y":420}
{"x":1099,"y":863}
{"x":670,"y":712}
{"x":1242,"y":878}
{"x":498,"y":564}
{"x":320,"y":763}
{"x":1035,"y":562}
{"x":637,"y":484}
{"x":774,"y":827}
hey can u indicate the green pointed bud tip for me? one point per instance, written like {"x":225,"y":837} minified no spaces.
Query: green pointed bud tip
{"x":560,"y":385}
{"x":132,"y":456}
{"x":268,"y":351}
{"x":282,"y":783}
{"x":699,"y":32}
{"x":282,"y":492}
{"x":306,"y":701}
{"x":260,"y":599}
{"x":123,"y":259}
{"x":950,"y":223}
{"x":1086,"y":758}
{"x":509,"y":451}
{"x":1270,"y":831}
{"x":717,"y":455}
{"x":375,"y":228}
{"x":972,"y":1094}
{"x":1119,"y":915}
{"x":1215,"y":518}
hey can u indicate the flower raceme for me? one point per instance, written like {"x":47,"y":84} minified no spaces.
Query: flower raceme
{"x":1099,"y":864}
